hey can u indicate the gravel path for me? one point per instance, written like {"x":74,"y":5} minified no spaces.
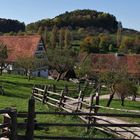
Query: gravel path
{"x":124,"y":132}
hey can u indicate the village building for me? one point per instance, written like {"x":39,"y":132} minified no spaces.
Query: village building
{"x":26,"y":47}
{"x":115,"y":62}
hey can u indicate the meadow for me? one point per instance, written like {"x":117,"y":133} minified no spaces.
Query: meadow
{"x":17,"y":93}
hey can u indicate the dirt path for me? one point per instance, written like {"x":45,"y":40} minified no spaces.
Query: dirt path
{"x":107,"y":97}
{"x":124,"y":132}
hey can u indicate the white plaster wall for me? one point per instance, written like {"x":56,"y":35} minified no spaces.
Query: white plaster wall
{"x":43,"y":73}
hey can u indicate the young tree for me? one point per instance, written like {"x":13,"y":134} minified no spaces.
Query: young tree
{"x":116,"y":79}
{"x":61,"y":37}
{"x":105,"y":41}
{"x":53,"y":38}
{"x":119,"y":34}
{"x":125,"y":88}
{"x":67,"y":40}
{"x":60,"y":60}
{"x":127,"y":45}
{"x":3,"y":57}
{"x":89,"y":45}
{"x":46,"y":36}
{"x":85,"y":69}
{"x":40,"y":30}
{"x":27,"y":64}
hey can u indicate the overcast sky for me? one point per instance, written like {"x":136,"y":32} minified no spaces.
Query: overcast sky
{"x":126,"y":11}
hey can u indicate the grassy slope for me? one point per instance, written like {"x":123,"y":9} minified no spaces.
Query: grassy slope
{"x":18,"y":91}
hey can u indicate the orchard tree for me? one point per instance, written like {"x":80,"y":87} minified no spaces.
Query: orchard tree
{"x":85,"y":69}
{"x":27,"y":64}
{"x":124,"y":89}
{"x":60,"y":60}
{"x":116,"y":78}
{"x":3,"y":57}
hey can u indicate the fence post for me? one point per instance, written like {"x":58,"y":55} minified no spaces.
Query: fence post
{"x":79,"y":104}
{"x":13,"y":128}
{"x":90,"y":110}
{"x":30,"y":120}
{"x":47,"y":88}
{"x":33,"y":90}
{"x":61,"y":99}
{"x":44,"y":94}
{"x":66,"y":90}
{"x":81,"y":98}
{"x":79,"y":87}
{"x":53,"y":88}
{"x":97,"y":102}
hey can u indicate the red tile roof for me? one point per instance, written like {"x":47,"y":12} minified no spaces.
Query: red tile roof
{"x":131,"y":62}
{"x":20,"y":45}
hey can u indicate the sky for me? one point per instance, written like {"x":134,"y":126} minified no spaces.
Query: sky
{"x":126,"y":11}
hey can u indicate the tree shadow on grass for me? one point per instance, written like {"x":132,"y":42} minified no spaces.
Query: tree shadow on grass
{"x":17,"y":84}
{"x":17,"y":90}
{"x":19,"y":95}
{"x":135,"y":106}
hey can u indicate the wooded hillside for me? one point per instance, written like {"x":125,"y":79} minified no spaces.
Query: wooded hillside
{"x":77,"y":19}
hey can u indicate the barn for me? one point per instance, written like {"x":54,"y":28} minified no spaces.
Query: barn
{"x":25,"y":46}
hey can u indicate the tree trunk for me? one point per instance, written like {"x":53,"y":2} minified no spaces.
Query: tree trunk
{"x":84,"y":59}
{"x":122,"y":99}
{"x":0,"y":72}
{"x":59,"y":76}
{"x":26,"y":72}
{"x":29,"y":77}
{"x":110,"y":99}
{"x":134,"y":97}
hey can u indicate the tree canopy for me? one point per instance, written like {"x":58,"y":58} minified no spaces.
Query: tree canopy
{"x":9,"y":25}
{"x":3,"y":57}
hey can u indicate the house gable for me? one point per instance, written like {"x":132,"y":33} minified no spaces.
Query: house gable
{"x":40,"y":51}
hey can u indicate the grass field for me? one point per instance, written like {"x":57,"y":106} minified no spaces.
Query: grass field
{"x":18,"y":91}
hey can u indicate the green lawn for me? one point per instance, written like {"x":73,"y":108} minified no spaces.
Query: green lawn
{"x":18,"y":91}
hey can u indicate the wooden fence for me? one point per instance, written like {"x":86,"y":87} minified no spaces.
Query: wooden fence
{"x":48,"y":95}
{"x":31,"y":124}
{"x":9,"y":125}
{"x":10,"y":130}
{"x":78,"y":105}
{"x":88,"y":112}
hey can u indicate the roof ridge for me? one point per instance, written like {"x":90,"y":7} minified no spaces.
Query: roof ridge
{"x":19,"y":36}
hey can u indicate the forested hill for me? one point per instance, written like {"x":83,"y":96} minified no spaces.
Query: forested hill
{"x":9,"y":25}
{"x":77,"y":19}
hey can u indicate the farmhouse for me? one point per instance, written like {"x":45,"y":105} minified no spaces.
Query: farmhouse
{"x":29,"y":46}
{"x":106,"y":62}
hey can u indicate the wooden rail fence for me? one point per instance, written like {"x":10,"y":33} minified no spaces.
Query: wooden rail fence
{"x":69,"y":104}
{"x":87,"y":111}
{"x":9,"y":126}
{"x":31,"y":124}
